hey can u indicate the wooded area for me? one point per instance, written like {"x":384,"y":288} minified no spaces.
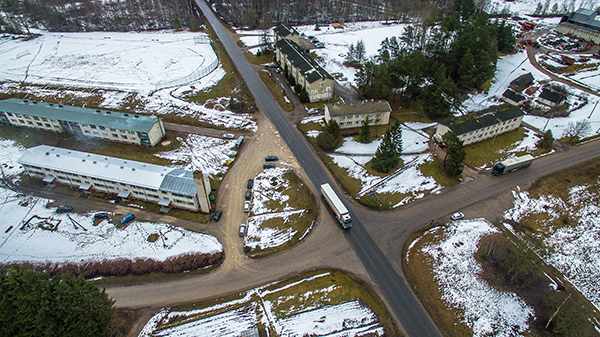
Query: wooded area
{"x":19,"y":16}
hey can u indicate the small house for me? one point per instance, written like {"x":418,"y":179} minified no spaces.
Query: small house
{"x":513,"y":98}
{"x":551,"y":98}
{"x":521,"y":82}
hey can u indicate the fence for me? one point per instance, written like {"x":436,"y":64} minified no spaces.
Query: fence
{"x":196,"y":75}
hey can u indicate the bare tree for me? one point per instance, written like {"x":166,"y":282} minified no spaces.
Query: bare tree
{"x":577,"y":129}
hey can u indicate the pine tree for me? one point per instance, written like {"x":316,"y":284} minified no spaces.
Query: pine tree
{"x":387,"y":156}
{"x":397,"y":137}
{"x":35,"y":304}
{"x":455,"y":154}
{"x":361,"y":51}
{"x":365,"y":132}
{"x":351,"y":55}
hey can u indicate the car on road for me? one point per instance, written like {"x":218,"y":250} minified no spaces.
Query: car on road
{"x":457,"y":216}
{"x":247,"y":206}
{"x":250,"y":183}
{"x":127,"y":218}
{"x":64,"y":209}
{"x":269,"y":165}
{"x":271,"y":158}
{"x":248,"y":195}
{"x":99,"y":216}
{"x":243,"y":229}
{"x":229,"y":136}
{"x":218,"y":215}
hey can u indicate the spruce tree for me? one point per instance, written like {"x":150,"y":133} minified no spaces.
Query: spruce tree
{"x":365,"y":132}
{"x":455,"y":154}
{"x":386,"y":156}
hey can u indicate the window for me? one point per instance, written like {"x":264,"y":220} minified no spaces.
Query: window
{"x":101,"y":128}
{"x":86,"y":131}
{"x":92,"y":127}
{"x":113,"y":130}
{"x":356,"y":116}
{"x":9,"y":114}
{"x":96,"y":133}
{"x":123,"y":136}
{"x":36,"y":118}
{"x":349,"y":117}
{"x":30,"y":122}
{"x":115,"y":135}
{"x":47,"y":125}
{"x":357,"y":122}
{"x":349,"y":123}
{"x":20,"y":121}
{"x":38,"y":124}
{"x":342,"y":118}
{"x":44,"y":119}
{"x":104,"y":134}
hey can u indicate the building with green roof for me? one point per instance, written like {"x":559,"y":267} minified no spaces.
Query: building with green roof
{"x":95,"y":123}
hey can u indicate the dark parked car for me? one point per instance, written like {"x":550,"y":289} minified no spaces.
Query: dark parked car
{"x":271,"y":158}
{"x":218,"y":215}
{"x":64,"y":209}
{"x":248,"y":195}
{"x":99,"y":216}
{"x":268,"y":165}
{"x":250,"y":183}
{"x":127,"y":218}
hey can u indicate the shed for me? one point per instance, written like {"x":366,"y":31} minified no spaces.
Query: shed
{"x":513,"y":98}
{"x":521,"y":82}
{"x":551,"y":98}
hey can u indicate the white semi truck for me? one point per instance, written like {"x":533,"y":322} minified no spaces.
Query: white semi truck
{"x":512,"y":164}
{"x":336,"y":206}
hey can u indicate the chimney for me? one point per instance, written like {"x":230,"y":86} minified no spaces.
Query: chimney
{"x":202,"y":191}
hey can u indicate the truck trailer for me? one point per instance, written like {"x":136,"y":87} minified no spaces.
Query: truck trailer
{"x":512,"y":164}
{"x":336,"y":206}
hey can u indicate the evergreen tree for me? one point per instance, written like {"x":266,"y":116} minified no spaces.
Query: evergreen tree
{"x":331,"y":136}
{"x":351,"y":55}
{"x":177,"y":24}
{"x":397,"y":136}
{"x":546,"y":141}
{"x":36,"y":304}
{"x":304,"y":96}
{"x":386,"y":156}
{"x":333,"y":129}
{"x":360,"y":52}
{"x":365,"y":132}
{"x":455,"y":154}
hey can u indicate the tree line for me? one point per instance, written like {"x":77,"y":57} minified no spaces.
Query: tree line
{"x":431,"y":63}
{"x":20,"y":16}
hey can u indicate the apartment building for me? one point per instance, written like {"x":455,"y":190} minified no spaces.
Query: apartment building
{"x":352,"y":115}
{"x":127,"y":179}
{"x":94,"y":123}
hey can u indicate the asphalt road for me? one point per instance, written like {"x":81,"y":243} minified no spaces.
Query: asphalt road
{"x":411,"y":315}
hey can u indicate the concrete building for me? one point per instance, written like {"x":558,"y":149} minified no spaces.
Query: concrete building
{"x":582,"y":23}
{"x":95,"y":123}
{"x":165,"y":186}
{"x":306,"y":72}
{"x":352,"y":115}
{"x":285,"y":32}
{"x":551,"y":98}
{"x":482,"y":125}
{"x":513,"y":98}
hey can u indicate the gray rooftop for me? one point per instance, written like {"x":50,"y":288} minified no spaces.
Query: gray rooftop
{"x":283,"y":31}
{"x":585,"y":17}
{"x":311,"y":70}
{"x":99,"y":117}
{"x":363,"y":107}
{"x":124,"y":171}
{"x":482,"y":119}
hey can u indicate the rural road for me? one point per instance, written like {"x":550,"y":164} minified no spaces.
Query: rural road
{"x":372,"y":249}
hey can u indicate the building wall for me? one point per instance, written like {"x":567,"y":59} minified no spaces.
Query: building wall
{"x":321,"y":90}
{"x":548,"y":103}
{"x":490,"y":131}
{"x":510,"y":101}
{"x":106,"y":186}
{"x":156,"y":133}
{"x":355,"y":121}
{"x":579,"y":32}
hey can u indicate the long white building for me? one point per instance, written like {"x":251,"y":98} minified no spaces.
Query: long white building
{"x":128,"y":179}
{"x":95,"y":123}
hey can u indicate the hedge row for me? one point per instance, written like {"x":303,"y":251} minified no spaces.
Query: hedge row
{"x":123,"y":267}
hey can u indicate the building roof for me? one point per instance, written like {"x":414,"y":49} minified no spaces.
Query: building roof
{"x":283,"y":31}
{"x":109,"y":119}
{"x":483,"y":119}
{"x":522,"y":81}
{"x":309,"y":68}
{"x":363,"y":107}
{"x":585,"y":17}
{"x":124,"y":171}
{"x":513,"y":96}
{"x":552,"y":96}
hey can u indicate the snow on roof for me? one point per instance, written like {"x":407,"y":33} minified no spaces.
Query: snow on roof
{"x":112,"y":169}
{"x":109,"y":119}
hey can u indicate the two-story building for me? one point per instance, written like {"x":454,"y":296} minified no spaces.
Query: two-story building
{"x":284,"y":32}
{"x":127,"y":179}
{"x":352,"y":115}
{"x":482,"y":125}
{"x":305,"y":71}
{"x":95,"y":123}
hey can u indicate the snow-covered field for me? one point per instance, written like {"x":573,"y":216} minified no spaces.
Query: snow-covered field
{"x":525,"y":7}
{"x":572,"y":249}
{"x":270,"y":201}
{"x":120,"y":67}
{"x":207,"y":154}
{"x":353,"y":155}
{"x":484,"y":309}
{"x":21,"y":238}
{"x":312,"y":316}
